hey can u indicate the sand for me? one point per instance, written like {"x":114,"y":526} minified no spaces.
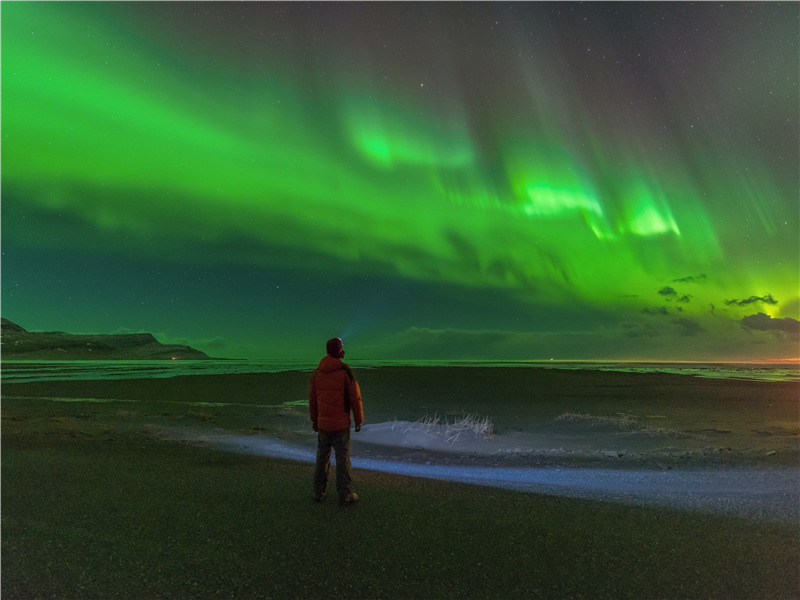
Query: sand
{"x":634,"y":486}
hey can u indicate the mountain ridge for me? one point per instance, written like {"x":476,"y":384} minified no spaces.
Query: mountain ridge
{"x":18,"y":343}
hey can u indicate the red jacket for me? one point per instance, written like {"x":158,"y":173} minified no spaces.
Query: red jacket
{"x":331,"y":383}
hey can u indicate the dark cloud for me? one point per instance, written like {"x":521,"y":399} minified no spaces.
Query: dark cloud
{"x":655,"y":310}
{"x":762,"y":322}
{"x":671,"y":294}
{"x":687,"y":327}
{"x":635,"y":330}
{"x":768,"y":299}
{"x":691,"y":279}
{"x":453,"y":343}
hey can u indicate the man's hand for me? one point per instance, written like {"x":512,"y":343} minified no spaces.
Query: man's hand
{"x":314,"y":427}
{"x":358,"y":427}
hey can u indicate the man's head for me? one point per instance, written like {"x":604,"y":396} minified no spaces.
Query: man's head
{"x":335,"y":348}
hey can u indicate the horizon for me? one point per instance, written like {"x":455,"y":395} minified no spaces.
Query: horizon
{"x":790,"y":361}
{"x":427,"y":181}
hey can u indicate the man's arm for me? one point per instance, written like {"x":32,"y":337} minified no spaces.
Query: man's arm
{"x":356,"y":405}
{"x":312,"y":403}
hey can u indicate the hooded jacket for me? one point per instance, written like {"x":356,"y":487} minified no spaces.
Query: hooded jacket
{"x":332,"y":394}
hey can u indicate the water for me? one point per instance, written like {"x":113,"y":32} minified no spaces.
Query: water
{"x":30,"y":371}
{"x":75,"y":370}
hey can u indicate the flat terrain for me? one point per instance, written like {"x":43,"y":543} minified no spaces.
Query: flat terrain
{"x":100,"y":500}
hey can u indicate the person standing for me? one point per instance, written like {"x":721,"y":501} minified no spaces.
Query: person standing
{"x":333,"y":394}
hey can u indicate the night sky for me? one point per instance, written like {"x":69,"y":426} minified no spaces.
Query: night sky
{"x":426,"y":180}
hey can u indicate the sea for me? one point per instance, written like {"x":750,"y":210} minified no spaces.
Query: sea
{"x":12,"y":371}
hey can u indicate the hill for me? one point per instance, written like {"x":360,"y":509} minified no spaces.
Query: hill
{"x":17,"y":343}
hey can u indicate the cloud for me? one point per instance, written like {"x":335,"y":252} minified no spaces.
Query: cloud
{"x":624,"y":340}
{"x":762,"y":322}
{"x":670,"y":293}
{"x":655,"y":310}
{"x":768,"y":299}
{"x":682,"y":339}
{"x":635,"y":330}
{"x":687,"y":327}
{"x":690,"y":279}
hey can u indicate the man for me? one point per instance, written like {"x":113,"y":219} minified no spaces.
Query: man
{"x":333,"y":393}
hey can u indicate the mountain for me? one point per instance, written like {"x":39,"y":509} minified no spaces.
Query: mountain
{"x":17,"y":343}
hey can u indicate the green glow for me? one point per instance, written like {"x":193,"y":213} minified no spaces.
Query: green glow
{"x":647,"y":211}
{"x":137,"y":141}
{"x":388,"y":137}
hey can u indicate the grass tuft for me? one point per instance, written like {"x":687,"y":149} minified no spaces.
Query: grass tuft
{"x":621,"y":422}
{"x":464,"y":424}
{"x":469,"y":423}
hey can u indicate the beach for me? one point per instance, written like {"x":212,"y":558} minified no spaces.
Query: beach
{"x":585,"y":448}
{"x":544,"y":416}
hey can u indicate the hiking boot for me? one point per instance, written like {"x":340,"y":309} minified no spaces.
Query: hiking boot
{"x":349,"y":499}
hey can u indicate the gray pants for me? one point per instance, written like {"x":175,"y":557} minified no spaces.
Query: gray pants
{"x":340,"y":441}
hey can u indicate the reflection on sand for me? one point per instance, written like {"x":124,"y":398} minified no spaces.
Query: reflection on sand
{"x":771,"y":494}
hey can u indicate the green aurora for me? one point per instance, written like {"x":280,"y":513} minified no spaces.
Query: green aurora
{"x":544,"y":188}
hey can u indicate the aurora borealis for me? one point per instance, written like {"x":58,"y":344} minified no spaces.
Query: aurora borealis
{"x":426,"y":180}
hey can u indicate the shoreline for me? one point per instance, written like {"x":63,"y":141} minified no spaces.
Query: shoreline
{"x":26,"y":371}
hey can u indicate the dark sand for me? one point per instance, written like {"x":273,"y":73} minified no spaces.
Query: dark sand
{"x":614,"y":423}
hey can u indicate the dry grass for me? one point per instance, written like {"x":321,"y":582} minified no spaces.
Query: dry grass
{"x":464,"y":424}
{"x":620,"y":422}
{"x":469,"y":424}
